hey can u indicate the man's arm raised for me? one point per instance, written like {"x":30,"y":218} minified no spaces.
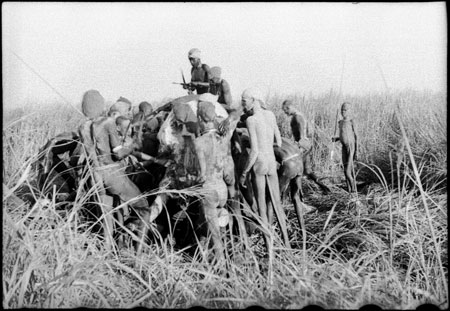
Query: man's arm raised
{"x":229,"y":124}
{"x":227,"y":95}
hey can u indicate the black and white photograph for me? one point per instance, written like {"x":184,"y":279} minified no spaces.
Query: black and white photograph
{"x":224,"y":155}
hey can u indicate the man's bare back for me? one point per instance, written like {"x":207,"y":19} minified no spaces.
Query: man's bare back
{"x":107,"y":138}
{"x":211,"y":160}
{"x":263,"y":127}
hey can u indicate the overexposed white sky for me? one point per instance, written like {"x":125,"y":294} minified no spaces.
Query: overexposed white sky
{"x":136,"y":50}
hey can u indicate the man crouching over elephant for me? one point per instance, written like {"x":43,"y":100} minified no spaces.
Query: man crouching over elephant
{"x":110,"y":151}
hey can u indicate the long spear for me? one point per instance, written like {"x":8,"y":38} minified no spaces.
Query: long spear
{"x":184,"y":81}
{"x":45,"y":81}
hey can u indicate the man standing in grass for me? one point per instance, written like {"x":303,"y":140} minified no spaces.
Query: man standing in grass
{"x":263,"y":130}
{"x":299,"y":128}
{"x":200,"y":73}
{"x":211,"y":149}
{"x":349,"y":141}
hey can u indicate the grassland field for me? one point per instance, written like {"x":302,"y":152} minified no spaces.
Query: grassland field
{"x":388,"y":246}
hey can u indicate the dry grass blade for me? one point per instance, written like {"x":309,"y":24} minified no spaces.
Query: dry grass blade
{"x":22,"y":118}
{"x":381,"y":251}
{"x":329,"y":216}
{"x":427,"y":211}
{"x":22,"y":179}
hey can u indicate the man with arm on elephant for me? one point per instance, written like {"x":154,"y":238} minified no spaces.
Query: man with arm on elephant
{"x":209,"y":148}
{"x":220,"y":88}
{"x":216,"y":166}
{"x":110,"y":151}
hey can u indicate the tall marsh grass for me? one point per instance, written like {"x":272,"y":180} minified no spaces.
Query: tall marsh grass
{"x":388,"y":246}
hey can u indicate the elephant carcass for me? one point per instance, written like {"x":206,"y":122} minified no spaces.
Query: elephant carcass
{"x":56,"y":173}
{"x":178,"y":144}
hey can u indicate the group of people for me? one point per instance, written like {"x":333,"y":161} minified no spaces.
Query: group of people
{"x":263,"y":131}
{"x":208,"y":80}
{"x":203,"y":154}
{"x":205,"y":79}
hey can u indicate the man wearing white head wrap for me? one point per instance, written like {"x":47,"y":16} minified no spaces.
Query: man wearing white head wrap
{"x":200,"y":73}
{"x":194,"y":53}
{"x":263,"y":130}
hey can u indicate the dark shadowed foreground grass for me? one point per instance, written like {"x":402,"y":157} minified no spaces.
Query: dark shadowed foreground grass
{"x":387,"y":246}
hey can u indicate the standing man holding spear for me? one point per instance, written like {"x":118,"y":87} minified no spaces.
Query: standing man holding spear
{"x":200,"y":74}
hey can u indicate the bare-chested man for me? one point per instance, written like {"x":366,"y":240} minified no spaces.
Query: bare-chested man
{"x":221,"y":88}
{"x":110,"y":151}
{"x":299,"y":131}
{"x":230,"y":148}
{"x":263,"y":129}
{"x":93,"y":107}
{"x":349,"y":140}
{"x":200,"y":73}
{"x":211,"y":149}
